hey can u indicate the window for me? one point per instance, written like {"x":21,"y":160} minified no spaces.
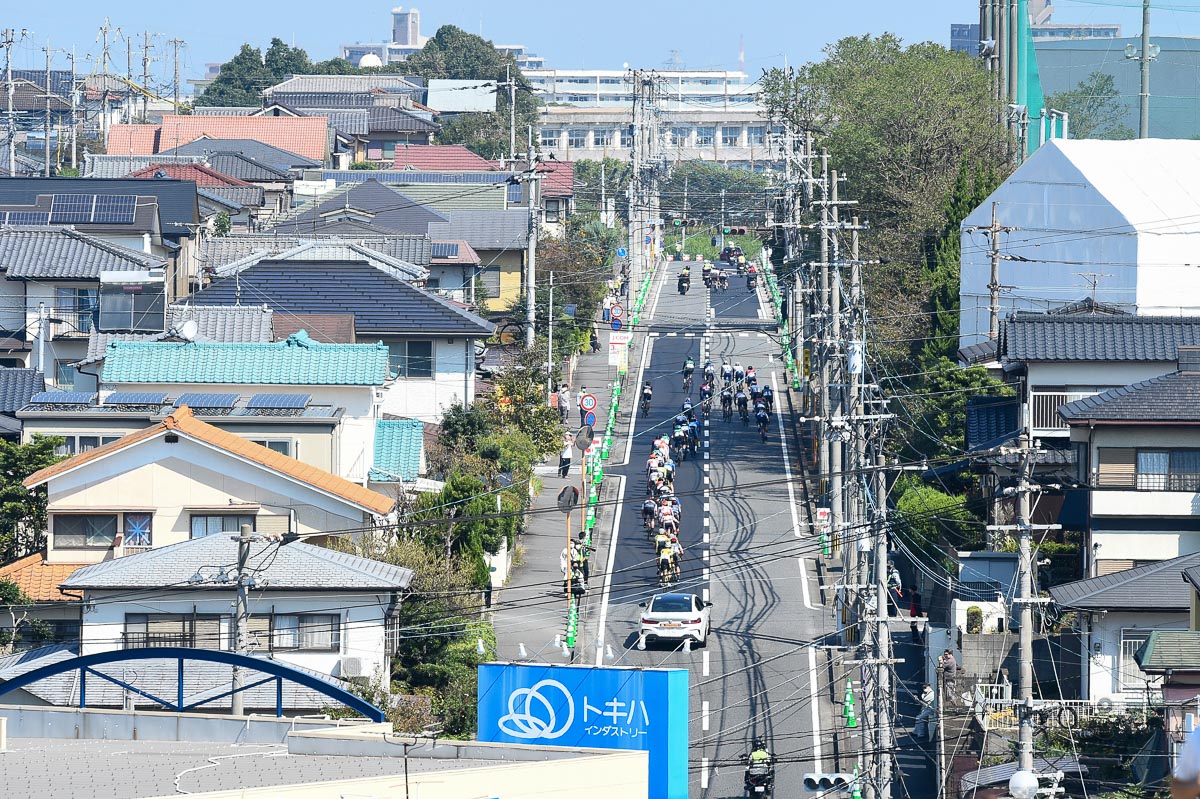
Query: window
{"x":313,"y":632}
{"x":553,"y":208}
{"x":412,"y":358}
{"x":679,"y":136}
{"x":73,"y":444}
{"x":84,"y":530}
{"x":601,"y":138}
{"x":1131,"y":675}
{"x":730,"y":136}
{"x":1168,"y":470}
{"x":133,"y":306}
{"x":433,"y":283}
{"x":612,"y":81}
{"x":65,"y":374}
{"x":75,"y":307}
{"x":705,"y":136}
{"x":211,"y":524}
{"x":550,"y":139}
{"x":757,"y":135}
{"x":627,"y":137}
{"x":283,"y":447}
{"x":577,"y":138}
{"x":136,"y":529}
{"x":172,"y":629}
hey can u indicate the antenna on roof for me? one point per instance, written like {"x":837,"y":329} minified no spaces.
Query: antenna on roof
{"x":1093,"y":279}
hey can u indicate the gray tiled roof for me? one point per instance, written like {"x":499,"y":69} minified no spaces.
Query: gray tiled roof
{"x":295,"y":566}
{"x":17,"y":386}
{"x":223,"y":110}
{"x":218,"y":252}
{"x":239,"y":196}
{"x":1096,"y":337}
{"x":978,"y":353}
{"x":118,"y":166}
{"x":331,"y":250}
{"x":60,"y":253}
{"x":1173,"y":397}
{"x":486,"y":230}
{"x":339,"y":83}
{"x":1178,"y":650}
{"x":990,"y":420}
{"x":275,"y":157}
{"x":243,"y":167}
{"x":177,"y":208}
{"x":234,"y":323}
{"x":347,"y":121}
{"x":371,"y":202}
{"x":385,"y":118}
{"x":1153,"y":587}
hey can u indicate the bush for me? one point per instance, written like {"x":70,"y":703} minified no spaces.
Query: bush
{"x":974,"y":620}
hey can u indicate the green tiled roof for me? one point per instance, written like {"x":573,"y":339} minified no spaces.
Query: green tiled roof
{"x":297,"y":361}
{"x":399,"y":445}
{"x":1178,"y":650}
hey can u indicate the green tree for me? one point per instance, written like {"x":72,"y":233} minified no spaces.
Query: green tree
{"x":929,"y":517}
{"x":241,"y":81}
{"x":1095,"y":107}
{"x":616,"y":174}
{"x":16,"y":604}
{"x":703,"y":182}
{"x":221,"y":224}
{"x":938,"y":408}
{"x":23,"y":512}
{"x":283,"y":60}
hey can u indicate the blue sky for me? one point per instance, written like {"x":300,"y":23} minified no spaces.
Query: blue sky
{"x":603,"y":34}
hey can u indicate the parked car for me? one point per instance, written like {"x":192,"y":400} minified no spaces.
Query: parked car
{"x":675,"y":617}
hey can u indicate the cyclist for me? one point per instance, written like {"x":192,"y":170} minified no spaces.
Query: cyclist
{"x":722,"y":280}
{"x":706,"y":393}
{"x":751,"y":374}
{"x":742,"y":401}
{"x":710,"y":371}
{"x":727,"y":404}
{"x":661,"y":540}
{"x":694,"y":435}
{"x":689,"y":366}
{"x":763,"y":420}
{"x":664,"y":565}
{"x":667,"y":518}
{"x":726,"y":373}
{"x":687,"y":410}
{"x":647,"y":395}
{"x":768,"y":397}
{"x":648,"y":509}
{"x":755,"y":391}
{"x":739,"y":374}
{"x":679,"y":440}
{"x":676,"y":557}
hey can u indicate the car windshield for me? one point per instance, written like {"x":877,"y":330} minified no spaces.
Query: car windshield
{"x":672,"y":604}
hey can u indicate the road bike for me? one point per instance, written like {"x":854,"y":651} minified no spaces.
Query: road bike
{"x":762,"y":430}
{"x":645,"y":406}
{"x":745,"y":417}
{"x":726,"y":411}
{"x":687,"y":382}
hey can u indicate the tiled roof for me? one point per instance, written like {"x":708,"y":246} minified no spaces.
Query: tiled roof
{"x":330,"y":250}
{"x":248,"y":196}
{"x":38,"y":579}
{"x":340,"y":84}
{"x":275,"y":157}
{"x":31,"y":97}
{"x":399,"y":450}
{"x":305,"y":136}
{"x":328,"y":328}
{"x":982,"y":352}
{"x":382,"y":118}
{"x":347,"y":121}
{"x":292,"y":567}
{"x":177,"y":208}
{"x":223,"y":110}
{"x":298,"y":361}
{"x":198,"y":173}
{"x":485,"y":230}
{"x":990,"y":420}
{"x":61,"y":253}
{"x":1154,"y":587}
{"x":380,"y":303}
{"x":1088,"y":305}
{"x":1095,"y":337}
{"x":436,"y":157}
{"x":379,"y":206}
{"x":1173,"y":397}
{"x":118,"y":166}
{"x":558,"y":177}
{"x":355,"y":99}
{"x":464,"y":253}
{"x":246,"y":168}
{"x":17,"y":386}
{"x":182,"y":423}
{"x":1178,"y":650}
{"x":217,"y":252}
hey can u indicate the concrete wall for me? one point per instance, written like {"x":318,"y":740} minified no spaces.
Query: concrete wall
{"x":1103,"y":666}
{"x":1055,"y":659}
{"x":426,"y":398}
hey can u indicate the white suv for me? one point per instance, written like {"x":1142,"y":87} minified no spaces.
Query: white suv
{"x":674,"y":617}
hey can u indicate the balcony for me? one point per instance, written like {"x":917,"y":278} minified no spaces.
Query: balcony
{"x":997,"y":711}
{"x":71,"y":324}
{"x":1045,"y":405}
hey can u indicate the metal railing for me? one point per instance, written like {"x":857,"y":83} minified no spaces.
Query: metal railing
{"x":71,"y":324}
{"x":1001,"y":714}
{"x":1175,"y":481}
{"x":1045,"y":407}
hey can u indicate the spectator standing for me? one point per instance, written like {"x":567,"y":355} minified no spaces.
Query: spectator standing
{"x":564,"y":402}
{"x":564,"y":457}
{"x":582,"y":394}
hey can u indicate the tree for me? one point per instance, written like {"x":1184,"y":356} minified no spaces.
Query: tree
{"x":616,"y":183}
{"x":938,"y":408}
{"x":23,"y":512}
{"x":222,"y":225}
{"x":929,"y":516}
{"x":703,"y":182}
{"x":1095,"y":108}
{"x":16,"y":605}
{"x":241,"y":81}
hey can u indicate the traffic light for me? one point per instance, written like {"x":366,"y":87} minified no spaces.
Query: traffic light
{"x":822,"y":782}
{"x":684,"y":222}
{"x":734,"y":231}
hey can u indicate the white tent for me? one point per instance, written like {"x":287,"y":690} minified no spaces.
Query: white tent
{"x":1123,"y":216}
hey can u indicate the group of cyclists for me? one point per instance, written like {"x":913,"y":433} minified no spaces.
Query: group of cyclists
{"x":662,"y":511}
{"x":739,"y":388}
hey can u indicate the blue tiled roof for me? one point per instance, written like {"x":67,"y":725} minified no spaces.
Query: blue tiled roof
{"x":298,"y":361}
{"x":990,"y":420}
{"x":399,"y":444}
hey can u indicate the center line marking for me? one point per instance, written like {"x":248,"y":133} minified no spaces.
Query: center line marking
{"x":704,"y":663}
{"x":705,"y":594}
{"x":804,"y":586}
{"x":704,"y":716}
{"x":706,"y":539}
{"x":705,"y":577}
{"x":706,"y":507}
{"x":704,"y":773}
{"x":705,"y":555}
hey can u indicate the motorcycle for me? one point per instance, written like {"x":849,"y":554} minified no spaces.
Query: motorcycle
{"x":684,"y":284}
{"x":759,"y":781}
{"x":751,"y":282}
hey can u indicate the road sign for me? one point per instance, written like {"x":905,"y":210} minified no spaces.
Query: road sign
{"x":614,"y":353}
{"x":590,"y":419}
{"x":588,"y":402}
{"x":615,"y":323}
{"x":620,"y":337}
{"x":647,"y":240}
{"x":568,"y":498}
{"x":622,"y":252}
{"x":617,"y":311}
{"x":584,"y":438}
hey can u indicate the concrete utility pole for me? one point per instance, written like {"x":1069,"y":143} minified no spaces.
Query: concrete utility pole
{"x":993,"y":232}
{"x":46,"y":123}
{"x":145,"y":76}
{"x":512,"y":112}
{"x":1014,"y":51}
{"x":1146,"y":57}
{"x":535,"y":199}
{"x":7,"y":39}
{"x":822,"y":339}
{"x":74,"y":111}
{"x":837,"y":407}
{"x":883,"y":638}
{"x":104,"y":61}
{"x":1025,"y":578}
{"x":550,"y":342}
{"x":1003,"y":86}
{"x":241,"y":617}
{"x":175,"y":84}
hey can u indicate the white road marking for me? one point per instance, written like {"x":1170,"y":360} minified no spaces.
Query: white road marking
{"x":612,"y":565}
{"x":705,"y":555}
{"x":706,"y":481}
{"x":662,"y":281}
{"x":804,"y":586}
{"x":634,"y":412}
{"x":704,"y":663}
{"x":705,"y":575}
{"x":704,"y":773}
{"x":706,"y":507}
{"x":672,"y":334}
{"x":707,"y":466}
{"x":744,"y":335}
{"x":704,"y":715}
{"x":706,"y":536}
{"x":704,"y":595}
{"x":707,"y":521}
{"x":814,"y":704}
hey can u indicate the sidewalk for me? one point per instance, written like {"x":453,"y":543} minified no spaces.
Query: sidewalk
{"x":531,"y":609}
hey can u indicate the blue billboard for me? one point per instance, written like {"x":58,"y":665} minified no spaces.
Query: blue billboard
{"x":594,"y":707}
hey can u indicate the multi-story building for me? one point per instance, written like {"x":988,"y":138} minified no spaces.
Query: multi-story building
{"x":407,"y":39}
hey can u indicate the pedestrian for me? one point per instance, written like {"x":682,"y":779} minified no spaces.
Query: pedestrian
{"x":564,"y":457}
{"x":949,"y":668}
{"x":624,"y":286}
{"x":585,"y":552}
{"x":582,"y":410}
{"x":924,"y":726}
{"x":606,"y":311}
{"x":595,"y":342}
{"x":564,"y":402}
{"x":564,"y":566}
{"x":895,"y":592}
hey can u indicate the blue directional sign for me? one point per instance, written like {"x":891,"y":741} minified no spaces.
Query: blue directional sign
{"x":622,"y":252}
{"x":616,"y":323}
{"x":596,"y":707}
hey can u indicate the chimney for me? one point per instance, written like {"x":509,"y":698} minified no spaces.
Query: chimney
{"x":1189,"y":359}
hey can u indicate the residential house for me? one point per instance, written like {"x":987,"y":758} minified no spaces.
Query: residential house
{"x":1172,"y":658}
{"x":370,"y":133}
{"x":17,"y":386}
{"x":221,"y":255}
{"x":444,"y":191}
{"x":1140,"y":230}
{"x":453,"y":268}
{"x":63,"y":284}
{"x":500,"y":239}
{"x":279,"y":158}
{"x":431,"y":341}
{"x":57,"y":610}
{"x":242,"y":200}
{"x":1138,"y":450}
{"x":381,"y":86}
{"x":310,"y":137}
{"x":378,"y":207}
{"x":213,"y":377}
{"x":327,"y":250}
{"x":97,"y":165}
{"x":441,"y":158}
{"x":1116,"y":614}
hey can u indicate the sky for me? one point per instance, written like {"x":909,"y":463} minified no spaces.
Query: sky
{"x":595,"y":35}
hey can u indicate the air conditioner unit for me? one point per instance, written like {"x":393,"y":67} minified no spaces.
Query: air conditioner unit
{"x":351,"y":667}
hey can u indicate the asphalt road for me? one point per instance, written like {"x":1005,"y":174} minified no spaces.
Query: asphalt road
{"x":746,"y":551}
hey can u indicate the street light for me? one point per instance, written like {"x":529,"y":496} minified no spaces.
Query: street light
{"x":1023,"y":785}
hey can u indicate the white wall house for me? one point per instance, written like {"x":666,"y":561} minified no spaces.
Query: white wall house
{"x":1122,"y":215}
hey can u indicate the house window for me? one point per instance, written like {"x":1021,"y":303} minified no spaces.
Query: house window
{"x":283,"y":447}
{"x":411,"y":358}
{"x":75,"y":306}
{"x":321,"y":632}
{"x":84,"y":530}
{"x":601,"y":138}
{"x":705,"y":136}
{"x":433,"y":283}
{"x":1131,"y":675}
{"x":73,"y":444}
{"x":553,"y":209}
{"x":65,"y":374}
{"x":577,"y":138}
{"x":1168,"y":470}
{"x":136,"y":529}
{"x":757,"y":134}
{"x":627,"y":137}
{"x":211,"y":524}
{"x":172,"y":629}
{"x":730,"y":136}
{"x":550,"y":139}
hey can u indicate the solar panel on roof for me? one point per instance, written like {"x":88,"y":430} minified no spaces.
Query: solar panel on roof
{"x":201,"y":400}
{"x":135,"y":398}
{"x":71,"y":209}
{"x":116,"y":209}
{"x":62,"y":398}
{"x":28,"y":217}
{"x":282,"y":401}
{"x":444,"y":249}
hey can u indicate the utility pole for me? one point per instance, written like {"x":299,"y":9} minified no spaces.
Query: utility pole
{"x":1025,"y":577}
{"x":175,"y":93}
{"x":46,"y":123}
{"x":74,"y":111}
{"x":145,"y":76}
{"x":1003,"y":87}
{"x":883,"y":638}
{"x":535,"y":199}
{"x":683,"y":227}
{"x":241,"y":615}
{"x":7,"y":40}
{"x":550,"y":343}
{"x":1145,"y":57}
{"x":836,"y":390}
{"x":512,"y":112}
{"x":822,"y":340}
{"x":993,"y":232}
{"x":104,"y":61}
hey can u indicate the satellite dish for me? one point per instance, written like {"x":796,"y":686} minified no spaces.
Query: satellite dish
{"x":187,"y":331}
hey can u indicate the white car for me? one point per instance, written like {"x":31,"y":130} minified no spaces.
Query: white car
{"x":675,"y":617}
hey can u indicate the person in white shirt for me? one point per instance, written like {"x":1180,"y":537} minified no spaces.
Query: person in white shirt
{"x":1186,"y":782}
